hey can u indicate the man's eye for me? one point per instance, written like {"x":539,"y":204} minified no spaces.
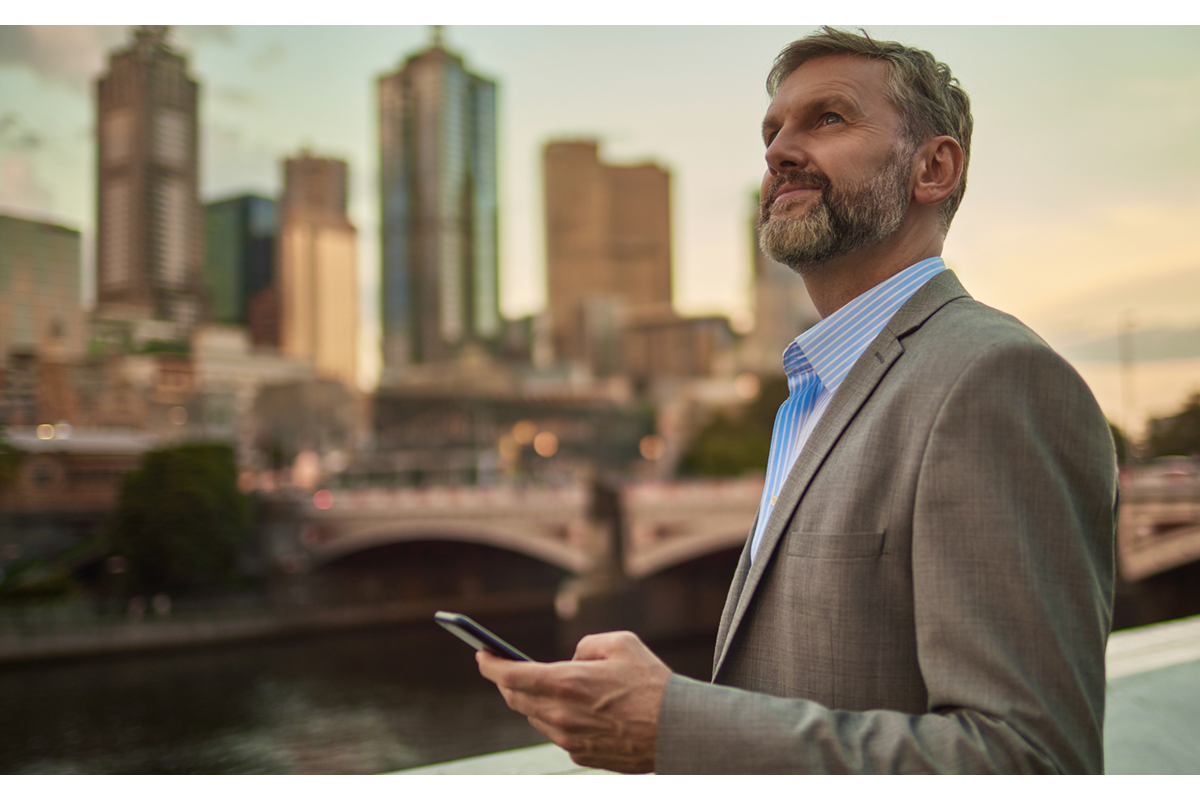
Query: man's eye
{"x":830,"y":118}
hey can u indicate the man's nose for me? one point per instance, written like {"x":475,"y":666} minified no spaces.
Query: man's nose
{"x":785,"y":152}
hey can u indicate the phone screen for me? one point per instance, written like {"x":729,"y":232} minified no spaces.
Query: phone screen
{"x":477,"y":636}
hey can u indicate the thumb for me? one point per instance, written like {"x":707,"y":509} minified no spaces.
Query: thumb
{"x":600,"y":646}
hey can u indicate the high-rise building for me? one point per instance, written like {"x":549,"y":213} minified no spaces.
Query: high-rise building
{"x":149,"y":249}
{"x":782,"y":310}
{"x":438,"y":217}
{"x":608,"y":247}
{"x":239,"y":248}
{"x":317,"y":269}
{"x":41,"y":310}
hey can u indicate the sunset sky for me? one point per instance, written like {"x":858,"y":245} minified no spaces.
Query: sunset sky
{"x":1082,"y":209}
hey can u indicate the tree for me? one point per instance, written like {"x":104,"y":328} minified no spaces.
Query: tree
{"x":1178,"y":435}
{"x":1120,"y":442}
{"x":732,"y":445}
{"x":10,"y":463}
{"x":181,"y":521}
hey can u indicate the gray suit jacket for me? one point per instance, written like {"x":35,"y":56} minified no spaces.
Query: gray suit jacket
{"x":934,"y":590}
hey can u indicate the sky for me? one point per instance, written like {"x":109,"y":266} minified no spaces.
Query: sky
{"x":1079,"y":217}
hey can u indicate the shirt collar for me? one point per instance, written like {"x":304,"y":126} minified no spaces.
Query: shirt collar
{"x":832,"y":346}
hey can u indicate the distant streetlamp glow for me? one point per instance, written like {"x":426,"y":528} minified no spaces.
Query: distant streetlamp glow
{"x":545,"y":444}
{"x":323,"y":499}
{"x":177,"y":415}
{"x":524,"y":431}
{"x":746,"y":385}
{"x":45,"y":431}
{"x":652,"y":447}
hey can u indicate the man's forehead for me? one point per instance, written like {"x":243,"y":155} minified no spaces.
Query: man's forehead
{"x":858,"y":80}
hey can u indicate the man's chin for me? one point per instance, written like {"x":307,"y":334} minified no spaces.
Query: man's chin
{"x":782,"y":242}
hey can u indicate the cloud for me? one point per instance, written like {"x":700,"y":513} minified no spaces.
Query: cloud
{"x":266,"y":57}
{"x":19,"y":186}
{"x":15,"y":135}
{"x":232,"y":165}
{"x":233,"y":96}
{"x":196,"y":36}
{"x":69,"y":54}
{"x":76,"y":54}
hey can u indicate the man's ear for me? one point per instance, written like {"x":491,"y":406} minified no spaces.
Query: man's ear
{"x":938,"y":170}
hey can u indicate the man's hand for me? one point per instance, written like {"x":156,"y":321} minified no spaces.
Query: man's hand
{"x":601,"y":707}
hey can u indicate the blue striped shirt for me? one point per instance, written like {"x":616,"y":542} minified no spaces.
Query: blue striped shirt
{"x":818,"y":361}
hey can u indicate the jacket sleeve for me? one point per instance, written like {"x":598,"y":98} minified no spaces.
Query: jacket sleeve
{"x":1012,"y":564}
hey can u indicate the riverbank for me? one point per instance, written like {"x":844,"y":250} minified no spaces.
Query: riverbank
{"x":167,"y":634}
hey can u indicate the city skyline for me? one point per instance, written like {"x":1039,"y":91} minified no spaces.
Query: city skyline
{"x":1053,"y":129}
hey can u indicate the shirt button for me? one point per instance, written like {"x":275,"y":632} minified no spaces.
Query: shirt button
{"x":774,"y":497}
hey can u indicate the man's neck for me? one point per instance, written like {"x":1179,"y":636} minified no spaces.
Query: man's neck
{"x":835,"y":283}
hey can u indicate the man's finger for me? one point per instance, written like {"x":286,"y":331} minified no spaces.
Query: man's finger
{"x":524,"y":676}
{"x":599,"y":646}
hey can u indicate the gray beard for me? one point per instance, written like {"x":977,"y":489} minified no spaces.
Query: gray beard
{"x":862,"y":215}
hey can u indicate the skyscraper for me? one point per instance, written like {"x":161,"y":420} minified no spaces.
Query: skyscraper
{"x":317,"y":275}
{"x":608,"y":248}
{"x":437,"y":126}
{"x":41,"y":310}
{"x":239,"y":247}
{"x":149,"y":250}
{"x":782,"y":308}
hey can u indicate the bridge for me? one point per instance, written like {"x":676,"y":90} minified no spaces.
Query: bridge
{"x":674,"y":543}
{"x":660,"y":524}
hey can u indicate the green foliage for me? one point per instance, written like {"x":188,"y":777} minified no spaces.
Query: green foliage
{"x":1178,"y":435}
{"x":166,"y":346}
{"x":1120,"y":443}
{"x":33,"y":582}
{"x":180,"y":520}
{"x":10,"y":463}
{"x":732,"y":445}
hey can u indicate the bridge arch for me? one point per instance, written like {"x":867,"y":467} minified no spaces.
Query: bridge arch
{"x":704,"y":537}
{"x":556,"y":551}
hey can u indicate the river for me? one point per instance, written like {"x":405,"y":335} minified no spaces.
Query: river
{"x":358,"y":702}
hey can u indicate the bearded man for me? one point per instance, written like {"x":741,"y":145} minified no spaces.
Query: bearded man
{"x":928,"y":584}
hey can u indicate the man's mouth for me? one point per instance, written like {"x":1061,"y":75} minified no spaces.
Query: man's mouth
{"x":791,"y":191}
{"x":795,"y":186}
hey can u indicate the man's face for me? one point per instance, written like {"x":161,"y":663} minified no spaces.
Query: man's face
{"x":838,"y":168}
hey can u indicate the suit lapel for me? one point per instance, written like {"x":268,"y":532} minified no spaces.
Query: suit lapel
{"x":858,"y":385}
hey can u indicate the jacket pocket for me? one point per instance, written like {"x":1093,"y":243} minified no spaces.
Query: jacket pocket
{"x":834,"y":546}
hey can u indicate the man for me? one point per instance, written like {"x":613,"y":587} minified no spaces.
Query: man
{"x":928,"y":584}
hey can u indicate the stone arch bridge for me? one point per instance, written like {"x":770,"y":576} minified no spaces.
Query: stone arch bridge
{"x":651,"y":527}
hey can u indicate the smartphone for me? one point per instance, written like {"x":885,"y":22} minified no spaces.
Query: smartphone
{"x":478,"y":636}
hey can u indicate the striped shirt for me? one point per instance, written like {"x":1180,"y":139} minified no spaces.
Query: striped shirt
{"x":818,"y":361}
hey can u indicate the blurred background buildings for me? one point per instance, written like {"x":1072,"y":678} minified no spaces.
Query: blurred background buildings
{"x":238,"y":321}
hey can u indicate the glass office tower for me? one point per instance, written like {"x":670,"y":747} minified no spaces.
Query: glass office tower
{"x":438,"y":223}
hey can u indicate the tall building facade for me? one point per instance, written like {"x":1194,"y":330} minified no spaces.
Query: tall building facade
{"x":41,"y":310}
{"x":317,"y":269}
{"x":782,"y":309}
{"x":608,"y":246}
{"x":149,"y":247}
{"x":438,"y":223}
{"x":239,"y":252}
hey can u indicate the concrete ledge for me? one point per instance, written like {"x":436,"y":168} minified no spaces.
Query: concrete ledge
{"x":542,"y":759}
{"x":1153,"y":647}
